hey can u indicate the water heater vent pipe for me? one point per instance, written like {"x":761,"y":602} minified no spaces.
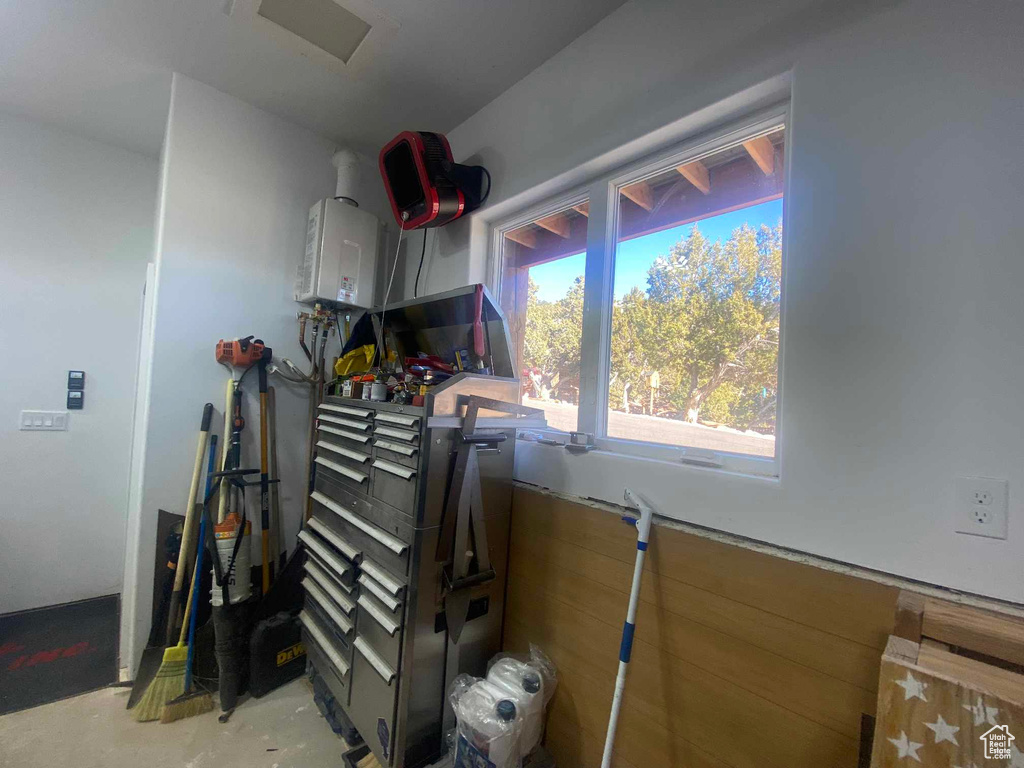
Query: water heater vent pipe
{"x":348,"y":163}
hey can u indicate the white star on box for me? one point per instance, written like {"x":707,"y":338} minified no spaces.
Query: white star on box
{"x":943,"y":731}
{"x":982,"y":713}
{"x":912,"y":688}
{"x":905,"y":747}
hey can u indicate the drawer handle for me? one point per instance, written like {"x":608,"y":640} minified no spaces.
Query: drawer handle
{"x":345,"y":422}
{"x":341,"y":469}
{"x":346,"y":549}
{"x":323,"y":581}
{"x":399,"y":434}
{"x":378,"y":591}
{"x":322,"y":552}
{"x":396,"y":418}
{"x":361,"y":413}
{"x":383,"y":668}
{"x":378,"y":615}
{"x":344,"y":433}
{"x":395,"y":469}
{"x":405,"y":450}
{"x":395,"y":545}
{"x":323,"y":643}
{"x":321,"y":599}
{"x":381,"y":577}
{"x":362,"y":458}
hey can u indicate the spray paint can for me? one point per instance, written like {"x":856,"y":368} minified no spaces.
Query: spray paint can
{"x":238,"y":575}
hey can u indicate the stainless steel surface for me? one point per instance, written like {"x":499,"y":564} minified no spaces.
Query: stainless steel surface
{"x":401,"y":651}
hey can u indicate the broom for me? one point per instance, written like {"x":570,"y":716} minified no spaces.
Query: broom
{"x":170,"y":678}
{"x":194,"y":702}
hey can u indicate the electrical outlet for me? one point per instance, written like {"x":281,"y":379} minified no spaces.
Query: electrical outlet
{"x":981,"y":506}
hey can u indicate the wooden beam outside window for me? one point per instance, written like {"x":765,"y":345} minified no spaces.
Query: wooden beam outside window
{"x":523,"y":236}
{"x":641,"y":194}
{"x":762,"y":152}
{"x":557,"y":223}
{"x":697,"y":174}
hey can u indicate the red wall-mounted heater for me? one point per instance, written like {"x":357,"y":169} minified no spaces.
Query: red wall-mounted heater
{"x":425,"y":186}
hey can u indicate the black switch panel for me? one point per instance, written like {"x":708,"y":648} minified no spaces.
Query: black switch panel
{"x":76,"y":399}
{"x":76,"y":380}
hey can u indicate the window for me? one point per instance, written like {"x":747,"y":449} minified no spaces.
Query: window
{"x":661,"y":335}
{"x":694,"y":348}
{"x":543,"y":264}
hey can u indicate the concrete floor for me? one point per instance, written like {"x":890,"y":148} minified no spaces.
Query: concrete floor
{"x":282,"y":730}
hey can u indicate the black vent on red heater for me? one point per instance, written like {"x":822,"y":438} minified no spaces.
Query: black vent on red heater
{"x":425,"y":186}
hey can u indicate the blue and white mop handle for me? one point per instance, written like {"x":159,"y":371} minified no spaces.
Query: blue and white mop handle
{"x":643,"y":533}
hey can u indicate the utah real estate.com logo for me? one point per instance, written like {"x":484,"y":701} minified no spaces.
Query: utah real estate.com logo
{"x":997,"y":742}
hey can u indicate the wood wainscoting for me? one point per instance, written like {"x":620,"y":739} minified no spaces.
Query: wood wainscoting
{"x":741,"y":658}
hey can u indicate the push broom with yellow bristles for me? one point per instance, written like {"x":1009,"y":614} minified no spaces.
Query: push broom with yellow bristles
{"x":169,"y":682}
{"x":194,"y":702}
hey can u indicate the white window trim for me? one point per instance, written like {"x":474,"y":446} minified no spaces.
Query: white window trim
{"x":602,"y":192}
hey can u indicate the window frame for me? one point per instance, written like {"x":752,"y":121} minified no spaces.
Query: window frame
{"x":602,"y":192}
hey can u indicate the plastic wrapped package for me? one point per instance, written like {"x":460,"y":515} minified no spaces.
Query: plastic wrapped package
{"x":525,"y":687}
{"x":530,"y":682}
{"x":489,"y":727}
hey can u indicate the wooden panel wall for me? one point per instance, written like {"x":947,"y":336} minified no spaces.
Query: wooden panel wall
{"x":741,"y":658}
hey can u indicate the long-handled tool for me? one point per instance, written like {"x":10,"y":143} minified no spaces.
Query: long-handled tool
{"x":261,"y":368}
{"x":276,"y":524}
{"x":190,"y":520}
{"x":643,"y":532}
{"x":170,"y":677}
{"x":194,"y":702}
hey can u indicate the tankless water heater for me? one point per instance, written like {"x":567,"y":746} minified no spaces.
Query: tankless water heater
{"x":340,"y":261}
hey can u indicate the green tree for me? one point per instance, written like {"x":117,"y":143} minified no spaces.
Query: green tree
{"x":551,"y":342}
{"x":708,"y":324}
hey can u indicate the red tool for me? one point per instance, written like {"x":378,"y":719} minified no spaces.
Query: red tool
{"x":240,"y":352}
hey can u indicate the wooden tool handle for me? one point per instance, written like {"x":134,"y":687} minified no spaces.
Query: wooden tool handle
{"x":190,"y":517}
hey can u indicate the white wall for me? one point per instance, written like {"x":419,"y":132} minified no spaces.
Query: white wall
{"x":902,"y":328}
{"x":76,"y":229}
{"x":236,"y":187}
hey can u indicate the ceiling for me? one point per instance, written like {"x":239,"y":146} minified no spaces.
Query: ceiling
{"x":102,"y":68}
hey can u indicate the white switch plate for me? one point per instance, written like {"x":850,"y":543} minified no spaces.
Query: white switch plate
{"x":981,"y":506}
{"x":43,"y":421}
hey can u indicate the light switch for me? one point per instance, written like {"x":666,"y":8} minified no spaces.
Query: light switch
{"x":43,"y":421}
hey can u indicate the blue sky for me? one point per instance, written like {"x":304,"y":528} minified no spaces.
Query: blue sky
{"x":634,"y":257}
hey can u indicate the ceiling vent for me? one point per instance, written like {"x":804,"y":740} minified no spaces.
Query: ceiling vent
{"x":335,"y":33}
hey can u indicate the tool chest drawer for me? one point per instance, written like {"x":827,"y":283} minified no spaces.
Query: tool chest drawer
{"x":405,"y":421}
{"x":396,"y":452}
{"x":344,"y":470}
{"x":374,"y":688}
{"x":336,"y":556}
{"x":345,"y":417}
{"x":324,"y":576}
{"x":394,"y":484}
{"x":347,"y":409}
{"x":348,"y":437}
{"x":379,"y":627}
{"x":381,"y":533}
{"x":331,"y":657}
{"x":340,"y":622}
